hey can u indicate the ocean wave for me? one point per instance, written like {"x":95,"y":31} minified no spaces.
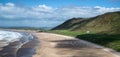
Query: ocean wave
{"x":7,"y":37}
{"x":17,"y":44}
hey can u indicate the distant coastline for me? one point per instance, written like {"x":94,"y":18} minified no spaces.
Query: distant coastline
{"x":27,"y":28}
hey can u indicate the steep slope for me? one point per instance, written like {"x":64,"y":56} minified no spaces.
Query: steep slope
{"x":72,"y":24}
{"x":69,"y":24}
{"x":106,"y":23}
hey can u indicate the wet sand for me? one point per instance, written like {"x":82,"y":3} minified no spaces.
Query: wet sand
{"x":18,"y":49}
{"x":27,"y":50}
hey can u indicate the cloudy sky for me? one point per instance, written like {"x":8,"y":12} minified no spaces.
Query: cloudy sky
{"x":50,"y":13}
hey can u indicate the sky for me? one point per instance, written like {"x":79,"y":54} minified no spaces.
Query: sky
{"x":50,"y":13}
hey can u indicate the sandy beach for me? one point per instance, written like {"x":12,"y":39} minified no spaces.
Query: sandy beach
{"x":55,"y":45}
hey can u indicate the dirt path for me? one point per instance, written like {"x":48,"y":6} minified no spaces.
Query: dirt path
{"x":53,"y":45}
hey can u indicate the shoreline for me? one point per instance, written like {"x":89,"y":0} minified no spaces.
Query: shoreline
{"x":55,"y":45}
{"x":17,"y":49}
{"x":26,"y":50}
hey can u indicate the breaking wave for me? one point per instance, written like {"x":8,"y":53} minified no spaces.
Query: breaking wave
{"x":7,"y":37}
{"x":13,"y":44}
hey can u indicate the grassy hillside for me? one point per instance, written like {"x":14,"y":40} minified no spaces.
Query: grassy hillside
{"x":70,"y":24}
{"x":103,"y":29}
{"x":106,"y":23}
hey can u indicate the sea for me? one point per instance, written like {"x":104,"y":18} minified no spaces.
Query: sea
{"x":17,"y":44}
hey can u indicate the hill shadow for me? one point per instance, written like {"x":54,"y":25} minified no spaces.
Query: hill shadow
{"x":70,"y":44}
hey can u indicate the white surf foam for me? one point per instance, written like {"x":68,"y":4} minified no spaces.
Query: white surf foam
{"x":7,"y":37}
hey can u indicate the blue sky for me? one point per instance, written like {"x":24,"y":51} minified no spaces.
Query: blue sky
{"x":61,"y":3}
{"x":50,"y":13}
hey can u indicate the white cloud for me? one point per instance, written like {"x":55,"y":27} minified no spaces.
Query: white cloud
{"x":104,"y":9}
{"x":10,"y":4}
{"x":12,"y":11}
{"x":43,"y":8}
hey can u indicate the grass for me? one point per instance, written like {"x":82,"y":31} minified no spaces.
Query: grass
{"x":66,"y":32}
{"x":110,"y":41}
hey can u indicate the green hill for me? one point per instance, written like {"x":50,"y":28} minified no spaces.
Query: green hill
{"x":69,"y":24}
{"x":106,"y":23}
{"x":103,"y":29}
